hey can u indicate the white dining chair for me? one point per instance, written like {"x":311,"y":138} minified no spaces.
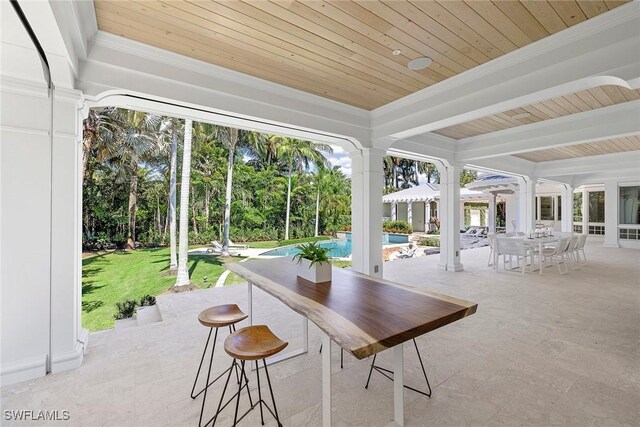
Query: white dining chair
{"x":558,"y":253}
{"x":582,"y":239}
{"x":506,"y":247}
{"x":571,"y":248}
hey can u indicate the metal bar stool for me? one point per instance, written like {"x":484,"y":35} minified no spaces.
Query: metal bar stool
{"x":251,"y":343}
{"x":216,"y":317}
{"x":387,"y":373}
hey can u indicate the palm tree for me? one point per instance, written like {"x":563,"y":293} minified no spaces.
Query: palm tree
{"x":299,"y":155}
{"x":235,"y":138}
{"x":173,"y":170}
{"x":183,"y":273}
{"x":136,"y":139}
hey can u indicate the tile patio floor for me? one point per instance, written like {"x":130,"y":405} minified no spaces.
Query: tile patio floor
{"x":550,"y":350}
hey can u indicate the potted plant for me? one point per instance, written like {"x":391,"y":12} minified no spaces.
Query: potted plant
{"x":313,"y":262}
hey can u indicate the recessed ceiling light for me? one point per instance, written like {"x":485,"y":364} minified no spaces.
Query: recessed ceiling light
{"x":396,"y":52}
{"x":419,"y":63}
{"x":520,"y":116}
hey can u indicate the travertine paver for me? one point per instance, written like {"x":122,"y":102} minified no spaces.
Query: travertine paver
{"x":541,"y":350}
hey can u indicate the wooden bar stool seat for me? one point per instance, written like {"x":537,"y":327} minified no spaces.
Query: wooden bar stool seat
{"x":251,"y":343}
{"x":219,"y":316}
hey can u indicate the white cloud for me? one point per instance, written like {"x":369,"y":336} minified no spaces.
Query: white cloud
{"x":340,"y":158}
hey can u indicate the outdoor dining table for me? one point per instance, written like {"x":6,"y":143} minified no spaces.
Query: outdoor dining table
{"x":363,"y":314}
{"x":531,"y":243}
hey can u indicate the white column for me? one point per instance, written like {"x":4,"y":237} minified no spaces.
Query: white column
{"x":567,"y":208}
{"x":511,"y":208}
{"x":611,"y":214}
{"x":461,"y":215}
{"x":427,"y":215}
{"x":394,"y":211}
{"x":526,"y":203}
{"x":410,"y":213}
{"x":367,"y":182}
{"x":449,"y":218}
{"x":68,"y":339}
{"x":40,"y":277}
{"x":492,"y":213}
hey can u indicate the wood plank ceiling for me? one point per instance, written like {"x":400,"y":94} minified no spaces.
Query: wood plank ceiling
{"x":616,"y":145}
{"x":342,"y":50}
{"x":577,"y":102}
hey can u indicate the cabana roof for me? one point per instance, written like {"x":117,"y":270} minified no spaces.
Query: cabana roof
{"x":429,"y":192}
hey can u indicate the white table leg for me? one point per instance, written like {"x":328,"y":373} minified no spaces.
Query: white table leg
{"x":398,"y":385}
{"x":326,"y":380}
{"x":250,"y":302}
{"x":280,"y":356}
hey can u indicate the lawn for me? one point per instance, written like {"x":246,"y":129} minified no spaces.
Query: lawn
{"x":118,"y":276}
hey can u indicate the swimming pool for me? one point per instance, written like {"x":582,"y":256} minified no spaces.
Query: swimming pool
{"x":338,"y":249}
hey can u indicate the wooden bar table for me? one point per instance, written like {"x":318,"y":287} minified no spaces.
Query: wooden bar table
{"x":362,"y":314}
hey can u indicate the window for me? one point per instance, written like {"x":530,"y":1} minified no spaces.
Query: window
{"x":546,"y":208}
{"x":596,"y":206}
{"x":629,"y":205}
{"x":577,"y":207}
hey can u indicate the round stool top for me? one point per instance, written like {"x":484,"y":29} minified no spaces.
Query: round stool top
{"x":253,"y":343}
{"x":221,"y":315}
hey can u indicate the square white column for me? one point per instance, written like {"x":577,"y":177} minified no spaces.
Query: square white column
{"x":491,"y":215}
{"x":367,"y":183}
{"x":449,"y":213}
{"x":410,"y":213}
{"x":611,"y":198}
{"x":462,"y":215}
{"x":567,"y":209}
{"x":394,"y":211}
{"x":427,"y":215}
{"x":526,"y":203}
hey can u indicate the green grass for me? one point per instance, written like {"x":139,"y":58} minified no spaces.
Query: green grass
{"x":118,"y":276}
{"x":267,"y":244}
{"x":340,"y":263}
{"x":303,"y":240}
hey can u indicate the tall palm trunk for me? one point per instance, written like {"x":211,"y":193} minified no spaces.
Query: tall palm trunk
{"x":233,"y":139}
{"x":183,"y":272}
{"x":286,"y":227}
{"x":133,"y":205}
{"x":173,"y":263}
{"x":318,"y":210}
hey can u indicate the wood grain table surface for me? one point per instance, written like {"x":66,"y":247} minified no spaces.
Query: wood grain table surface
{"x":362,"y":314}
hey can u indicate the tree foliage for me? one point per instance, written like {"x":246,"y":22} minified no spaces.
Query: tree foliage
{"x":262,"y":164}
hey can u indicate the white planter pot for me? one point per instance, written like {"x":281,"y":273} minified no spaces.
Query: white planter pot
{"x":320,"y":272}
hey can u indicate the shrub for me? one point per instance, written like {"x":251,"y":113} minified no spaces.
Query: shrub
{"x":402,"y":227}
{"x":433,"y":232}
{"x":429,"y":241}
{"x":147,"y":300}
{"x":126,"y":309}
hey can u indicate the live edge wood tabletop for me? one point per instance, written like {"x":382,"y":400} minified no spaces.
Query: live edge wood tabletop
{"x":362,"y":314}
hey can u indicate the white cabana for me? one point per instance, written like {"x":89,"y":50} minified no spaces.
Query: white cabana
{"x":420,"y":204}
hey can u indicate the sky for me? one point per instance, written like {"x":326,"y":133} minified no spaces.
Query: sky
{"x":340,"y":158}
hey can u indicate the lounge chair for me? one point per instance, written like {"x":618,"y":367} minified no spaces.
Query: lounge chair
{"x":407,"y":253}
{"x":238,"y":245}
{"x":216,"y":248}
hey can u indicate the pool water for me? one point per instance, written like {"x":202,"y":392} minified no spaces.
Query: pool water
{"x":338,"y":249}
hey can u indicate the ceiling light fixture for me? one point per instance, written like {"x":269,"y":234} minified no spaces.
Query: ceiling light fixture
{"x":419,"y":63}
{"x":396,"y":52}
{"x":520,"y":116}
